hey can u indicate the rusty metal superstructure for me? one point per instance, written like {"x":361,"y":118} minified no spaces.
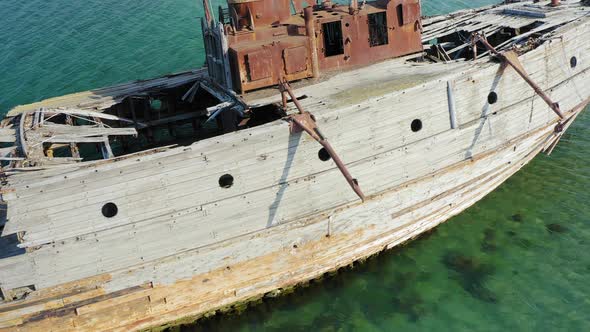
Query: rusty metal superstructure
{"x":256,"y":43}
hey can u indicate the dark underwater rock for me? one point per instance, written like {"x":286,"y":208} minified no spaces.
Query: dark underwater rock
{"x":517,"y":217}
{"x":524,"y":243}
{"x":471,"y":275}
{"x":410,"y":304}
{"x":556,"y":228}
{"x":488,"y":243}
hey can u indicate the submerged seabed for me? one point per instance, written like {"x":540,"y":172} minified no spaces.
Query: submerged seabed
{"x":517,"y":260}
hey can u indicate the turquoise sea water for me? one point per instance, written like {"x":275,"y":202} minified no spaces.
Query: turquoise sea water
{"x":517,"y":260}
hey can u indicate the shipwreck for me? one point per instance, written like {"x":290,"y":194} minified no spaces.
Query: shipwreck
{"x":313,"y":137}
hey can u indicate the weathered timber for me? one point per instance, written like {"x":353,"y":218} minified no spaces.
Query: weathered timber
{"x":86,"y":130}
{"x":107,"y":97}
{"x":73,"y":146}
{"x":173,"y":230}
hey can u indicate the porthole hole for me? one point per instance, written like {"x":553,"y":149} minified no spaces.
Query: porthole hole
{"x":110,"y":210}
{"x":156,"y":104}
{"x":574,"y":62}
{"x":324,"y":155}
{"x":416,"y":125}
{"x":347,"y":25}
{"x":226,"y":181}
{"x":492,"y":98}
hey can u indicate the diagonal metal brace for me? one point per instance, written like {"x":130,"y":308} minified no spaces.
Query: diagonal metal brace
{"x":305,"y":121}
{"x":563,"y":126}
{"x":511,"y":59}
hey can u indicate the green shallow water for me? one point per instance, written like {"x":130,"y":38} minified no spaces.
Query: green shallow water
{"x":517,"y":260}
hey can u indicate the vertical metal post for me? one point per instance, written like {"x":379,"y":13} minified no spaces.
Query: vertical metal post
{"x":208,"y":16}
{"x":310,"y":29}
{"x":354,"y":6}
{"x":451,"y":100}
{"x":225,"y":57}
{"x":208,"y":49}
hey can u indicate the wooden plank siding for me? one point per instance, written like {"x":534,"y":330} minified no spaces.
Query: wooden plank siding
{"x":181,"y":245}
{"x":184,"y":201}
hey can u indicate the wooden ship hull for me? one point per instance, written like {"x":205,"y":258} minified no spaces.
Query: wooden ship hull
{"x":145,"y":238}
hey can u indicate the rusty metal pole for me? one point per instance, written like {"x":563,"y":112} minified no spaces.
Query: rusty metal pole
{"x":566,"y":124}
{"x":287,"y":88}
{"x":353,"y":7}
{"x":208,"y":16}
{"x":518,"y":69}
{"x":555,"y":3}
{"x":284,"y":99}
{"x":310,"y":29}
{"x":317,"y":135}
{"x":306,"y":122}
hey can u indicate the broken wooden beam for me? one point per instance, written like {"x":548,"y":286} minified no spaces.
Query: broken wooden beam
{"x":213,"y":109}
{"x":190,"y":94}
{"x":179,"y":117}
{"x":92,"y":114}
{"x":105,"y":147}
{"x":90,"y":130}
{"x":7,"y":138}
{"x":7,"y":151}
{"x":74,"y":138}
{"x":73,"y":146}
{"x":22,"y":143}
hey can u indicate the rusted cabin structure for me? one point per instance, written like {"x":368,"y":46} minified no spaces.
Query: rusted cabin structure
{"x":263,"y":41}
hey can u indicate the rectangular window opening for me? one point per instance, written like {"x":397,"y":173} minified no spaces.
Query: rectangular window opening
{"x":378,"y":29}
{"x":333,"y":43}
{"x":400,"y":14}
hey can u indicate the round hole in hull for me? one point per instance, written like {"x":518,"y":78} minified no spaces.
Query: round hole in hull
{"x":492,"y":98}
{"x":226,"y":181}
{"x":416,"y":125}
{"x":574,"y":62}
{"x":324,"y":155}
{"x":109,"y":210}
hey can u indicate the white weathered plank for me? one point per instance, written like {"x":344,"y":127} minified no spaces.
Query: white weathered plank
{"x":188,"y":183}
